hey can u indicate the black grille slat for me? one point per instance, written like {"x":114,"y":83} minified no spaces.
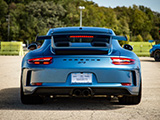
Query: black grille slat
{"x":134,"y":78}
{"x":28,"y":77}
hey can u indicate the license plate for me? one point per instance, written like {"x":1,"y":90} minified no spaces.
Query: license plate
{"x":81,"y":78}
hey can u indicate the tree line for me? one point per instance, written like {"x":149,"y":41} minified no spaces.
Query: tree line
{"x":24,"y":19}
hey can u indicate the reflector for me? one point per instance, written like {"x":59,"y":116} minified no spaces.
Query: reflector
{"x":38,"y":84}
{"x":126,"y":84}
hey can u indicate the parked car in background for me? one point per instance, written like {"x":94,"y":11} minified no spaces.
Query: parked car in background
{"x":83,"y":62}
{"x":155,"y":51}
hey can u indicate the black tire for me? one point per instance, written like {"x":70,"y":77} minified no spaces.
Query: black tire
{"x":157,"y":55}
{"x":131,"y":100}
{"x":29,"y":99}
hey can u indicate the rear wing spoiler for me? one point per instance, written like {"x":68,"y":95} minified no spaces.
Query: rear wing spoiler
{"x":123,"y":38}
{"x":102,"y":45}
{"x":45,"y":37}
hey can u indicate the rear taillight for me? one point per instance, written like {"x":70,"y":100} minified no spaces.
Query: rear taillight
{"x":43,"y":61}
{"x":122,"y":61}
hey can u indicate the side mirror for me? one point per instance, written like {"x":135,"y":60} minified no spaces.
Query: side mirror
{"x":32,"y":46}
{"x":128,"y":47}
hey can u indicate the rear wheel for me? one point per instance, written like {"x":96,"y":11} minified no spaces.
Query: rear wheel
{"x":157,"y":55}
{"x":131,"y":100}
{"x":29,"y":99}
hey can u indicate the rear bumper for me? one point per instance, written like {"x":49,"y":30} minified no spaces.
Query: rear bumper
{"x":58,"y":81}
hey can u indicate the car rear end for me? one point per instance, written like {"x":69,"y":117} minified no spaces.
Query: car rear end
{"x":81,"y":65}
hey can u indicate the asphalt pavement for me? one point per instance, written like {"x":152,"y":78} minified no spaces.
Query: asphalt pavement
{"x":77,"y":108}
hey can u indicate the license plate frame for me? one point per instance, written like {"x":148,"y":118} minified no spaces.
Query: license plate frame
{"x":81,"y":78}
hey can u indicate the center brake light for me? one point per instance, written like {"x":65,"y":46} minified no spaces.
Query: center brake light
{"x":81,"y":36}
{"x":122,"y":61}
{"x":43,"y":61}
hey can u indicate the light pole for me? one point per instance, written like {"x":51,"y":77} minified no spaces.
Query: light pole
{"x":81,"y":8}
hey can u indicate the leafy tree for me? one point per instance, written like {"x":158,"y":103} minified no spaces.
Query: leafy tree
{"x":148,"y":37}
{"x":3,"y":22}
{"x":34,"y":18}
{"x":138,"y":21}
{"x":155,"y":33}
{"x":3,"y":9}
{"x":137,"y":38}
{"x":123,"y":26}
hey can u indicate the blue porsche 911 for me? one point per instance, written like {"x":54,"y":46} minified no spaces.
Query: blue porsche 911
{"x":82,"y":62}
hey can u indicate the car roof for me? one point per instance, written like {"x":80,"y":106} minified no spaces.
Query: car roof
{"x":81,"y":29}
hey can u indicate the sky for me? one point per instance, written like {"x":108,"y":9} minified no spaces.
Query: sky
{"x":154,"y":5}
